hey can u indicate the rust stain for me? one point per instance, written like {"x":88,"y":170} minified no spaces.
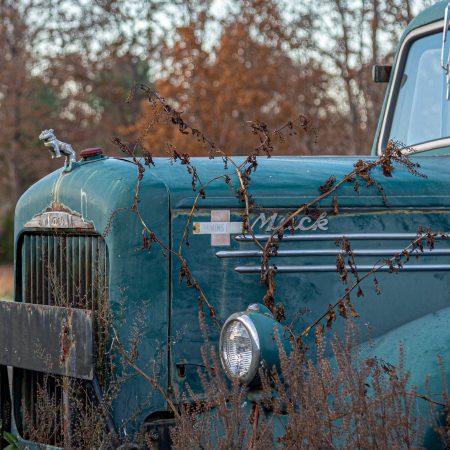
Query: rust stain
{"x":66,"y":340}
{"x":57,"y":186}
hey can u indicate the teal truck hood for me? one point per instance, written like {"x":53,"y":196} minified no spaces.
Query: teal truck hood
{"x":287,"y":182}
{"x":147,"y":285}
{"x":278,"y":182}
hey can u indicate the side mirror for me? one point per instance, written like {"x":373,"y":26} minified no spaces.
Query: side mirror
{"x":381,"y":74}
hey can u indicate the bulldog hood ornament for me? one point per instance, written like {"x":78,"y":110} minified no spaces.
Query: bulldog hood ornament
{"x":58,"y":148}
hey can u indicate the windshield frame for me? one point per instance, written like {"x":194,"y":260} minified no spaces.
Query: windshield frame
{"x":432,"y":28}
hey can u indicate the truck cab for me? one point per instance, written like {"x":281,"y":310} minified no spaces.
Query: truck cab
{"x":415,"y":109}
{"x":88,"y":283}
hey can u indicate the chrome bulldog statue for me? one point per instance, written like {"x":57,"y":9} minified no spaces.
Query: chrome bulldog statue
{"x":58,"y":148}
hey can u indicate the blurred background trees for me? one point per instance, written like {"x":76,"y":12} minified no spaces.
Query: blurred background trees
{"x":76,"y":66}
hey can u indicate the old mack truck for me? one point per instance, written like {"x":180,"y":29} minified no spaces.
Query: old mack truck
{"x":78,"y":264}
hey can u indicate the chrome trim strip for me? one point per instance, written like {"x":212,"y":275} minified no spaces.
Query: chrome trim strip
{"x":418,"y":148}
{"x":332,"y":268}
{"x":427,"y":29}
{"x":328,"y":237}
{"x":329,"y":252}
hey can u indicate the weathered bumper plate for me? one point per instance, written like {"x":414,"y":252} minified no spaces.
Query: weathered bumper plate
{"x":48,"y":339}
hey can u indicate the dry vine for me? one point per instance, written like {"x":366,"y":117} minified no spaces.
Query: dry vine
{"x":361,"y":173}
{"x":359,"y":176}
{"x":394,"y":263}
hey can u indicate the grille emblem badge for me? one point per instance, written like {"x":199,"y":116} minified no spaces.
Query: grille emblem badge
{"x":58,"y":216}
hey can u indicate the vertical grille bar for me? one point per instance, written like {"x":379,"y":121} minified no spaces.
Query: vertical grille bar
{"x":54,"y":257}
{"x":81,"y":272}
{"x":45,"y":268}
{"x":26,"y":276}
{"x":88,"y":263}
{"x":62,"y":265}
{"x":39,"y":272}
{"x":68,"y":271}
{"x":94,"y":274}
{"x":51,"y":268}
{"x":75,"y":274}
{"x":32,"y":268}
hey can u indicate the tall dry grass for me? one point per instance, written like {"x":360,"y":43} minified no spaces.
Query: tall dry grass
{"x":344,"y":402}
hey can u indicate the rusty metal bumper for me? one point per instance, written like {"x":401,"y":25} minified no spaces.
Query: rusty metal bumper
{"x":49,"y":339}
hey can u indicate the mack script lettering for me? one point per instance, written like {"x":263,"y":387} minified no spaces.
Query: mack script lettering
{"x":268,"y":224}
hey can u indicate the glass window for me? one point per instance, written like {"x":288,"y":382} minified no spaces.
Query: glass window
{"x":422,"y":110}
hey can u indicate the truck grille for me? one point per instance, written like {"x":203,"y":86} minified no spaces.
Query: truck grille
{"x":67,"y":270}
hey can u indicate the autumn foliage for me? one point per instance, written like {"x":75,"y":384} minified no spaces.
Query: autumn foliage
{"x":78,"y":69}
{"x":248,"y":75}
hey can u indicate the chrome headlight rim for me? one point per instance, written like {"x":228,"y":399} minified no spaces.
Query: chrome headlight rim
{"x":247,"y":322}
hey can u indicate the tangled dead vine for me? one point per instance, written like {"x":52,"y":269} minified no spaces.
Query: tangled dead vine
{"x":361,"y":176}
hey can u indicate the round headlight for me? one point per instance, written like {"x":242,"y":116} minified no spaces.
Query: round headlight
{"x":239,"y":348}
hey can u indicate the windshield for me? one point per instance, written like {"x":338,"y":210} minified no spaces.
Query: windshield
{"x":422,"y":111}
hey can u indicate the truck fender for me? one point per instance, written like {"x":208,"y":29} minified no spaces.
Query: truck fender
{"x":425,"y":341}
